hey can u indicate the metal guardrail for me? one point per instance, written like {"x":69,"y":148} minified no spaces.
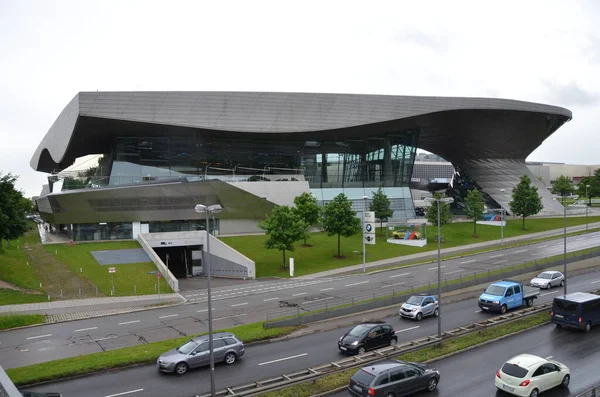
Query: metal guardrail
{"x":320,"y":307}
{"x":277,"y":382}
{"x":593,"y":392}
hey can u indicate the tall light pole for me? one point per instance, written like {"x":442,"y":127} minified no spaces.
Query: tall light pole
{"x":502,"y":210}
{"x":364,"y":246}
{"x":206,"y":210}
{"x":439,"y":258}
{"x":586,"y":206}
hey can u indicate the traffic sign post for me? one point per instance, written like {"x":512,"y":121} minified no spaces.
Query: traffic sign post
{"x":158,"y":275}
{"x":370,"y":227}
{"x":112,"y":271}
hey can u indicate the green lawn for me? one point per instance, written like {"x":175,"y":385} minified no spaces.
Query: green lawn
{"x":80,"y":260}
{"x":13,"y":265}
{"x":320,"y":256}
{"x":11,"y":297}
{"x":8,"y":321}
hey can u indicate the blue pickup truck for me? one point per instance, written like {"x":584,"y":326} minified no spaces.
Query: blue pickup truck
{"x":505,"y":295}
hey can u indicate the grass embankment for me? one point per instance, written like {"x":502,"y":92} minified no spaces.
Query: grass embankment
{"x":140,"y":354}
{"x":320,"y":256}
{"x":16,"y":270}
{"x":8,"y":321}
{"x":80,"y":260}
{"x":341,"y":379}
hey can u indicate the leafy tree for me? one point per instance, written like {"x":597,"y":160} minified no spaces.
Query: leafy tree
{"x":338,"y":218}
{"x":309,"y":210}
{"x":283,"y":227}
{"x":474,"y":207}
{"x":12,"y":210}
{"x":381,"y":206}
{"x":592,"y":191}
{"x":562,"y":186}
{"x":526,"y":200}
{"x":431,"y":212}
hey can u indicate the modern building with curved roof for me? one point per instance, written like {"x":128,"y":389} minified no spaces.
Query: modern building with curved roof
{"x":164,"y":152}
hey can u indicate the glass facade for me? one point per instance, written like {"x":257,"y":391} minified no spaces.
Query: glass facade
{"x":462,"y":183}
{"x":102,"y":231}
{"x":377,"y":160}
{"x":183,"y":226}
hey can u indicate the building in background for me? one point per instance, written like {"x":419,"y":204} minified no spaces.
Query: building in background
{"x":165,"y":152}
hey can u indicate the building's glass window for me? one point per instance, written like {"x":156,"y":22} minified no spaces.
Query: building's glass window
{"x":102,"y":231}
{"x":183,"y":226}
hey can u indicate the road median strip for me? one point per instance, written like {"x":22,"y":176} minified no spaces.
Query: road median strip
{"x":10,"y":321}
{"x":127,"y":356}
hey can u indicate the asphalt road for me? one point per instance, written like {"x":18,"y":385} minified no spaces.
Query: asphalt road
{"x":243,"y":304}
{"x":266,"y":360}
{"x":474,"y":377}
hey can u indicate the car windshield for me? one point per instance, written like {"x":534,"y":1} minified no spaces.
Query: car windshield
{"x":414,"y":300}
{"x":495,"y":290}
{"x":187,"y":348}
{"x":359,"y":330}
{"x":514,"y":370}
{"x":545,"y":276}
{"x":363,"y":377}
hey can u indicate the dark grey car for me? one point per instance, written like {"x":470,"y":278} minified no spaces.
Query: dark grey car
{"x":393,"y":378}
{"x":195,"y":353}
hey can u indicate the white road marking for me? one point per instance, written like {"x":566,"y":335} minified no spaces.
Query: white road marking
{"x":391,"y":285}
{"x":283,"y":359}
{"x":326,"y":289}
{"x":125,"y":392}
{"x":301,"y":293}
{"x":130,"y":322}
{"x":549,"y":357}
{"x":169,"y":315}
{"x":499,"y":262}
{"x":361,"y":282}
{"x":269,"y":299}
{"x":406,"y":329}
{"x":471,"y":261}
{"x":85,"y":329}
{"x":108,"y":337}
{"x":39,"y":336}
{"x":594,"y":282}
{"x":544,"y":246}
{"x":435,"y":268}
{"x":235,"y":315}
{"x":239,"y":304}
{"x":399,"y":275}
{"x":519,"y":251}
{"x":478,"y":311}
{"x":496,"y":256}
{"x":204,"y":310}
{"x":454,"y":271}
{"x":548,"y":293}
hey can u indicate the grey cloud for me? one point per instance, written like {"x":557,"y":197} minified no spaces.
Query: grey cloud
{"x":592,"y":51}
{"x":432,"y":42}
{"x":571,"y":94}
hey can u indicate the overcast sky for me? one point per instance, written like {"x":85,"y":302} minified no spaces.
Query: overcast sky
{"x":541,"y":51}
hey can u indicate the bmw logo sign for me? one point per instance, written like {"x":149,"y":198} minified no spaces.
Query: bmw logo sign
{"x":369,"y":227}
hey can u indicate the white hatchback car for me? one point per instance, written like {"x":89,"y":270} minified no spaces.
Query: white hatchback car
{"x":548,"y":279}
{"x":527,"y":375}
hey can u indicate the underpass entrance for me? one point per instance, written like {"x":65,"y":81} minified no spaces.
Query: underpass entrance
{"x":178,"y":260}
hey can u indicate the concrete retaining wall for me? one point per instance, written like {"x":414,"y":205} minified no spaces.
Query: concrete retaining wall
{"x":162,"y":268}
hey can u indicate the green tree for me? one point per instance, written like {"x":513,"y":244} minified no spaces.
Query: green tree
{"x":474,"y":207}
{"x":283,"y":227}
{"x":588,"y":193}
{"x":562,"y":186}
{"x":431,"y":212}
{"x":381,"y":206}
{"x":526,"y":200}
{"x":12,"y":209}
{"x":309,"y":210}
{"x":338,"y":218}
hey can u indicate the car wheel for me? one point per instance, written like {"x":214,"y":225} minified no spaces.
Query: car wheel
{"x":390,"y":394}
{"x":393,"y":341}
{"x":534,"y":393}
{"x":588,"y":327}
{"x":230,"y":358}
{"x":181,"y":368}
{"x":566,"y":381}
{"x":432,"y":384}
{"x":361,"y":350}
{"x":419,"y":316}
{"x":562,"y":282}
{"x":548,"y":285}
{"x":436,"y":312}
{"x":529,"y":302}
{"x":503,"y":309}
{"x":558,"y":326}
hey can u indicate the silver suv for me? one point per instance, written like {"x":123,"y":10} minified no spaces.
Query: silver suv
{"x":195,"y":353}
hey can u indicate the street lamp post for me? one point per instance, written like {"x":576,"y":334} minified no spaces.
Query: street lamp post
{"x":206,"y":210}
{"x":565,"y":245}
{"x":586,"y":206}
{"x":439,"y":258}
{"x":502,"y":210}
{"x":364,"y":246}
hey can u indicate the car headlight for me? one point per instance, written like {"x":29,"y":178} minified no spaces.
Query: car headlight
{"x":414,"y":310}
{"x":341,"y":337}
{"x":355,"y":343}
{"x":497,"y":302}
